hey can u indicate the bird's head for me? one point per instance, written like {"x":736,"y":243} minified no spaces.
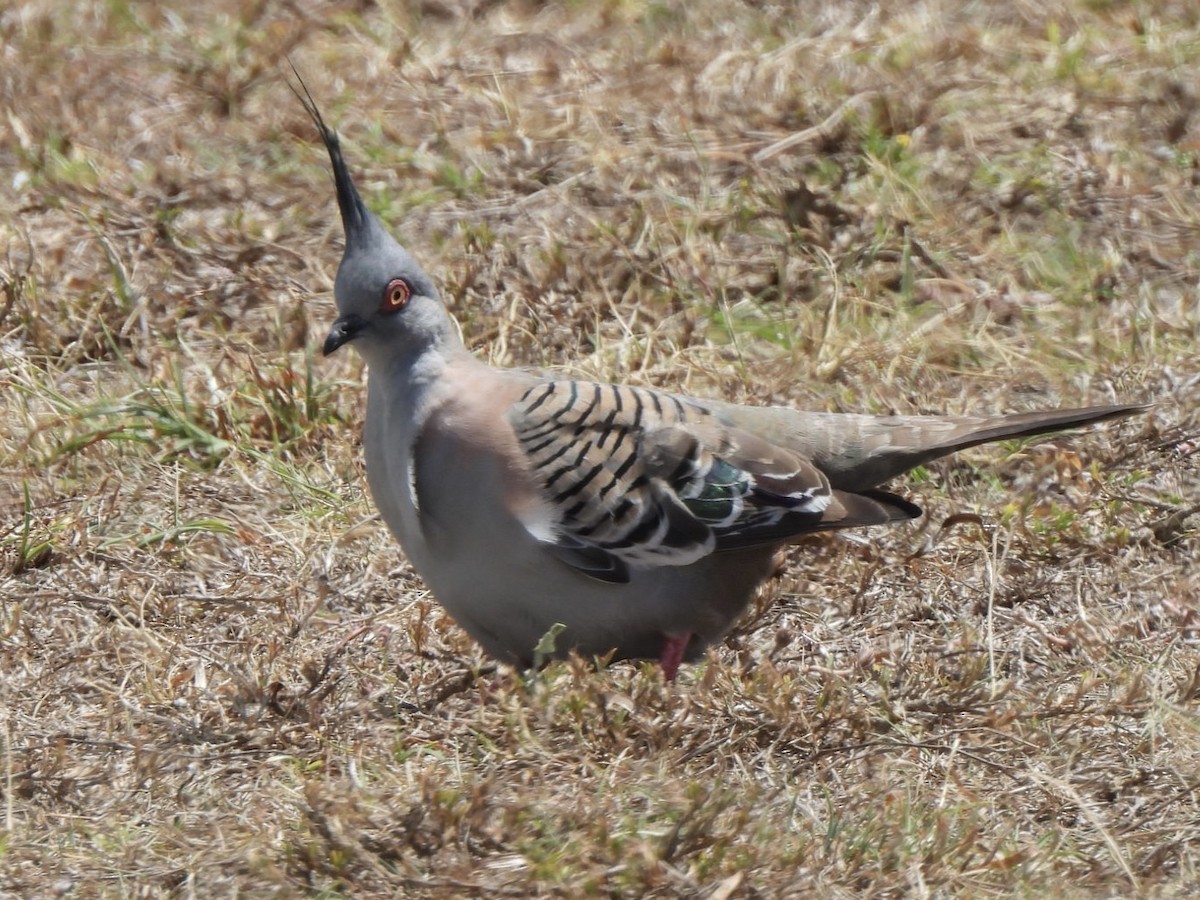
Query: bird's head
{"x":386,"y":303}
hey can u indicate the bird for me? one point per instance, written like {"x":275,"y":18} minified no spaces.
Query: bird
{"x":623,"y":521}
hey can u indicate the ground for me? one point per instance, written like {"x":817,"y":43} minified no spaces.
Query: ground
{"x":221,"y":678}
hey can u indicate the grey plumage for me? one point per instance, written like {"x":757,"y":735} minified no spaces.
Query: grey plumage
{"x":641,"y":520}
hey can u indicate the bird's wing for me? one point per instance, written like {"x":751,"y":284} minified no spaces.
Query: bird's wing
{"x":630,"y":477}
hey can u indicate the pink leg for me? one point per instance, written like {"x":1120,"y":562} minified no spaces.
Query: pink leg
{"x":674,"y":646}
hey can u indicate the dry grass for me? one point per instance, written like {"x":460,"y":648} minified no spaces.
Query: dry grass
{"x":219,"y":676}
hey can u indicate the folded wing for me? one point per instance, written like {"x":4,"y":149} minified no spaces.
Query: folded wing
{"x":631,"y":477}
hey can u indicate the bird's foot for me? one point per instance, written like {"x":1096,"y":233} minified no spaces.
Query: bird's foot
{"x":671,"y":656}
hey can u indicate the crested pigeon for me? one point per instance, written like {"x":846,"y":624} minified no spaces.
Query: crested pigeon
{"x":634,"y":522}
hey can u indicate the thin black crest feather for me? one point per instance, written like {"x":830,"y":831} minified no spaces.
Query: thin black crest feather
{"x":355,"y":216}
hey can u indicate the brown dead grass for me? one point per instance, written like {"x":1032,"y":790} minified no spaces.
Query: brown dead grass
{"x":219,"y":676}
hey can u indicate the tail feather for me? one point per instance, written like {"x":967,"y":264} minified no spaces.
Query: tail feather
{"x":1015,"y":425}
{"x":858,"y":452}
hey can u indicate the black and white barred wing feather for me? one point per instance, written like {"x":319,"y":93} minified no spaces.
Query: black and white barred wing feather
{"x":631,"y":477}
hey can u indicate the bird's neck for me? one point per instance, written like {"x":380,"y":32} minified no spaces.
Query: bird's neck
{"x":415,"y":383}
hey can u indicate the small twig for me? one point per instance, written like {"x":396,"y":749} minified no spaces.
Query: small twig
{"x":1169,"y":529}
{"x":820,"y":131}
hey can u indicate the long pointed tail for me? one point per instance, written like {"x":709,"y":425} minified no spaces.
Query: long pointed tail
{"x":859,"y":452}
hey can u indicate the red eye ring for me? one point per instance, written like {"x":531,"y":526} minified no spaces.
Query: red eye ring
{"x":395,"y":296}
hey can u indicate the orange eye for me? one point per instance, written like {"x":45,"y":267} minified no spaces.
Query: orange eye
{"x":395,"y":296}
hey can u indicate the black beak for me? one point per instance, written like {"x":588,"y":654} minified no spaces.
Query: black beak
{"x":345,"y":329}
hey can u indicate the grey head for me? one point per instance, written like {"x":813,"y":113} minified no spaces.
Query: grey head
{"x":386,"y":304}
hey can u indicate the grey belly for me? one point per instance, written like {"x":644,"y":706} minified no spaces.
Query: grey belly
{"x":508,"y":603}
